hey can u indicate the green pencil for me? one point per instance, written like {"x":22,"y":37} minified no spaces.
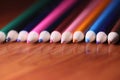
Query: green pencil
{"x":25,"y":16}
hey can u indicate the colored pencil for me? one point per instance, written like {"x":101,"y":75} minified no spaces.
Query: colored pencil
{"x":101,"y":36}
{"x":56,"y":34}
{"x":24,"y":33}
{"x":114,"y":35}
{"x":22,"y":18}
{"x":45,"y":34}
{"x":82,"y":27}
{"x":108,"y":12}
{"x":53,"y":16}
{"x":67,"y":34}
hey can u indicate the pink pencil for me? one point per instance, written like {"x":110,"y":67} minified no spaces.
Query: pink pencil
{"x":53,"y":16}
{"x":67,"y":34}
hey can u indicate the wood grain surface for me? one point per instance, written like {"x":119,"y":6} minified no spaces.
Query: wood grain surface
{"x":45,"y":61}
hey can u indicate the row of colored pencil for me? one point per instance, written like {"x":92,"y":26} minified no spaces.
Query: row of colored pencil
{"x":66,"y":21}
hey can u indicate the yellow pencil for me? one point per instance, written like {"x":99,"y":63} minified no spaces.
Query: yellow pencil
{"x":79,"y":32}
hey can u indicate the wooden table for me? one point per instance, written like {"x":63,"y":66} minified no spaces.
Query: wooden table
{"x":45,"y":61}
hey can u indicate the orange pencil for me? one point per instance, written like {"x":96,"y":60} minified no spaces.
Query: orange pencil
{"x":79,"y":32}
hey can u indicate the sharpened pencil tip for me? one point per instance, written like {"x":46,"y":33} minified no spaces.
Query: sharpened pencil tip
{"x":40,"y":40}
{"x":28,"y":41}
{"x":8,"y":39}
{"x":109,"y":41}
{"x":87,"y":40}
{"x":18,"y":40}
{"x":51,"y":41}
{"x":97,"y":42}
{"x":2,"y":36}
{"x":62,"y":41}
{"x":75,"y":40}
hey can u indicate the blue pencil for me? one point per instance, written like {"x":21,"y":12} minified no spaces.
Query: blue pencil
{"x":23,"y":34}
{"x":111,"y":9}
